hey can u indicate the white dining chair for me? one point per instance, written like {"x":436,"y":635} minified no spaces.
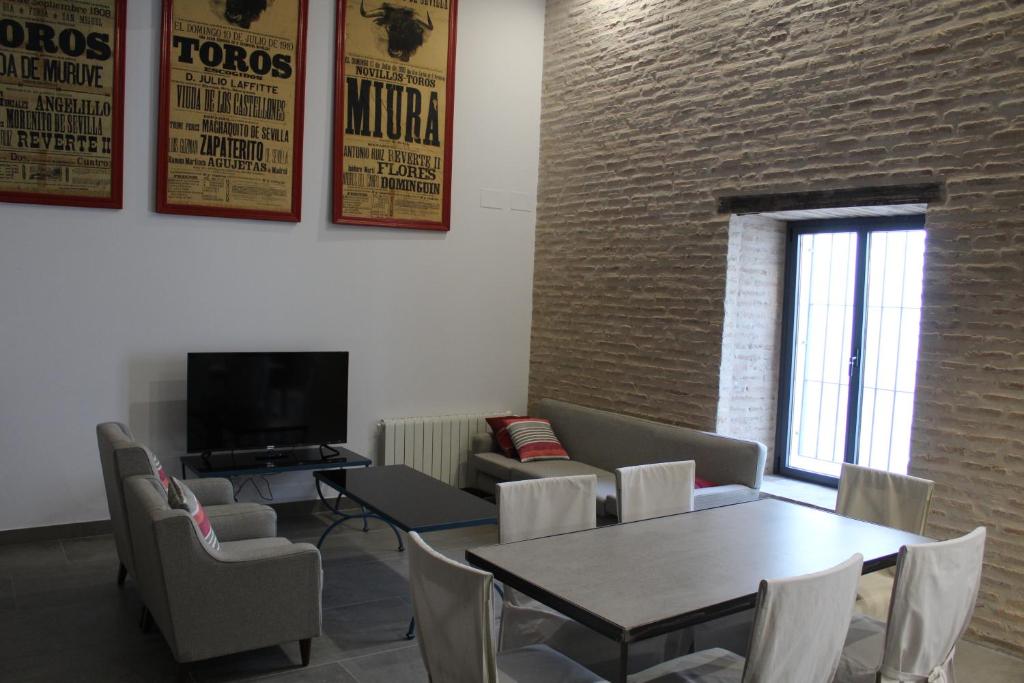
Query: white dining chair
{"x":454,"y":613}
{"x":658,"y":490}
{"x":893,"y":500}
{"x":535,"y":508}
{"x":800,"y":625}
{"x":932,"y":602}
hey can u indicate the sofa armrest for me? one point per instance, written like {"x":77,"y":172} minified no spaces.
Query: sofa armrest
{"x":242,"y":521}
{"x":212,"y":491}
{"x":236,"y":599}
{"x":483,"y":443}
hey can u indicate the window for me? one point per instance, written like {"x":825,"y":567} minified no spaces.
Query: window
{"x":851,"y":319}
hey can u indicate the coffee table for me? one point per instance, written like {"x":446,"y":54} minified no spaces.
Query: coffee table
{"x":406,"y":499}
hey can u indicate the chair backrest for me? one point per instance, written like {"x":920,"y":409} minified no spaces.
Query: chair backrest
{"x":932,"y":602}
{"x":894,"y":500}
{"x":658,"y":490}
{"x":800,"y":625}
{"x":533,"y":508}
{"x":120,"y":457}
{"x":452,"y":606}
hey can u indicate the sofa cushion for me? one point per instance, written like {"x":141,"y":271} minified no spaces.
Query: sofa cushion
{"x":536,"y":440}
{"x":493,"y":464}
{"x":566,"y":468}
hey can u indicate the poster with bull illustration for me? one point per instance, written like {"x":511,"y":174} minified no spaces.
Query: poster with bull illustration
{"x":394,"y":80}
{"x":231,"y":107}
{"x":62,"y":102}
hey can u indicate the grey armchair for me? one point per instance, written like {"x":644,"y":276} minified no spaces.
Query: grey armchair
{"x":207,"y":603}
{"x":122,"y":457}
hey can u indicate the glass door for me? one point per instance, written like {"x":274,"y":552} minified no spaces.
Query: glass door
{"x":851,"y":317}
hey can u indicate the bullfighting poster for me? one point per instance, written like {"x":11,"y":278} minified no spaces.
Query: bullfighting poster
{"x":394,"y":81}
{"x":232,"y":81}
{"x":62,"y":101}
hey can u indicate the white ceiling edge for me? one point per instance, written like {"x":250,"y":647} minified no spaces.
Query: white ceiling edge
{"x":848,"y":212}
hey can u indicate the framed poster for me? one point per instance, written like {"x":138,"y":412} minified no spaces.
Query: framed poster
{"x":232,"y":86}
{"x":62,"y":102}
{"x":393,"y":96}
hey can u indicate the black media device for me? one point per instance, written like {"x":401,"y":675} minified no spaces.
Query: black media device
{"x":267,"y":401}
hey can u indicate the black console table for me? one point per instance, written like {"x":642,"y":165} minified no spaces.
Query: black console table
{"x":257,"y":464}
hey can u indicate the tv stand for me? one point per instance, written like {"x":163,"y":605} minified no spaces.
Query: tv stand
{"x":256,"y":463}
{"x":333,"y":455}
{"x":273,"y":455}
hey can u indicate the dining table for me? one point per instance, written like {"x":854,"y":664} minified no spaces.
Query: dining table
{"x":634,"y":581}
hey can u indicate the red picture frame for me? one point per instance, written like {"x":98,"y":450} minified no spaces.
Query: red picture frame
{"x":338,"y":210}
{"x":116,"y":198}
{"x":294,"y":215}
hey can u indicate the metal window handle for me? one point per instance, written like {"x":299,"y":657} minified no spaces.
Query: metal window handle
{"x":852,"y":365}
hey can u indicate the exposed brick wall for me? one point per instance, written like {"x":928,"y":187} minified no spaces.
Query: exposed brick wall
{"x":651,"y":107}
{"x":749,"y":380}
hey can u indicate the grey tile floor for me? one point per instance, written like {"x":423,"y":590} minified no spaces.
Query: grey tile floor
{"x":62,"y":617}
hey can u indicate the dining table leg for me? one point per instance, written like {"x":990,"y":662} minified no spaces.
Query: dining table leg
{"x":623,"y":661}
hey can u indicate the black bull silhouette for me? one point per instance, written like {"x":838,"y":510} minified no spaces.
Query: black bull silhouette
{"x":244,"y":12}
{"x":405,"y":32}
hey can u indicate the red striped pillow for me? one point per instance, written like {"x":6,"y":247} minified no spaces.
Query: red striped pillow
{"x":158,"y":469}
{"x":535,"y":440}
{"x":499,"y":425}
{"x":180,"y":497}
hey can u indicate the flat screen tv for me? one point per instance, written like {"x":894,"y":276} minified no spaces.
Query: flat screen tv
{"x":249,"y":401}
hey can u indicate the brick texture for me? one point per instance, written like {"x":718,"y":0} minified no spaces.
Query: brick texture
{"x":652,"y":107}
{"x":751,"y":337}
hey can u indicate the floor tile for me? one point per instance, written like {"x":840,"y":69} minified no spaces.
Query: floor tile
{"x":250,"y":665}
{"x":348,"y":582}
{"x":92,"y":550}
{"x":6,"y":594}
{"x":327,"y":673}
{"x":364,"y":628}
{"x":976,"y":663}
{"x":405,"y":664}
{"x":26,"y":558}
{"x":60,"y":586}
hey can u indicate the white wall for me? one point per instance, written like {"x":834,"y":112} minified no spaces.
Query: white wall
{"x":98,"y":308}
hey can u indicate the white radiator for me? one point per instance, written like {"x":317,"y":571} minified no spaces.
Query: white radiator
{"x":438,"y":446}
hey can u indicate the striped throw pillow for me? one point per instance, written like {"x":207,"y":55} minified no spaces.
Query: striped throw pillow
{"x":180,"y":497}
{"x":158,"y":469}
{"x":535,"y":440}
{"x":499,"y":426}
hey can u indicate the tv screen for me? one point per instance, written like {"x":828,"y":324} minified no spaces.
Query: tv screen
{"x":246,"y":401}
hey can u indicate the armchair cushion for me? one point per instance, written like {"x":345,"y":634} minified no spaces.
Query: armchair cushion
{"x":241,"y":521}
{"x":213,"y":491}
{"x":180,"y":497}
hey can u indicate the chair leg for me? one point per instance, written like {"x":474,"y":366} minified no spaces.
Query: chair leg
{"x":146,"y":621}
{"x":304,"y":649}
{"x":122,"y":574}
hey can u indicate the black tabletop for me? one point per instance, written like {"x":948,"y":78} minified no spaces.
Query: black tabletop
{"x":411,"y":500}
{"x":233,"y":464}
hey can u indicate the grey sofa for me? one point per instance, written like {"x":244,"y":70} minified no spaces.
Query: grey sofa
{"x":599,"y":441}
{"x":246,"y":595}
{"x":122,"y":457}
